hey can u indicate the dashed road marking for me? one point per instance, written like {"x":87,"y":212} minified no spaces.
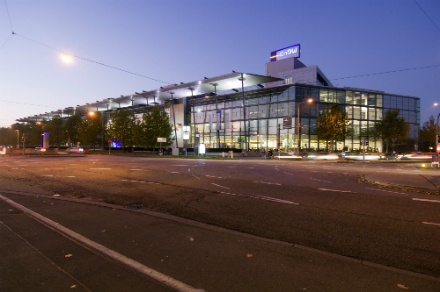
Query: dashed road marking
{"x":100,"y":168}
{"x":213,"y":176}
{"x":331,"y":190}
{"x":431,"y":223}
{"x":70,"y":176}
{"x":425,"y":200}
{"x":196,"y":176}
{"x":48,"y":175}
{"x":387,"y":191}
{"x":320,"y":180}
{"x":264,"y":182}
{"x":263,"y":198}
{"x":135,"y":169}
{"x":220,"y":186}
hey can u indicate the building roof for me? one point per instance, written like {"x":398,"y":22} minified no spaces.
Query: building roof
{"x":204,"y":86}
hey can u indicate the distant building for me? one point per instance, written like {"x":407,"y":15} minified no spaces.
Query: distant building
{"x":236,"y":110}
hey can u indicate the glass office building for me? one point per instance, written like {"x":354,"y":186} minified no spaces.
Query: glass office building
{"x":236,"y":110}
{"x":223,"y":121}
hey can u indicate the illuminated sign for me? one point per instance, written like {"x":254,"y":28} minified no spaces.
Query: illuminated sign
{"x":202,"y":149}
{"x":289,"y":52}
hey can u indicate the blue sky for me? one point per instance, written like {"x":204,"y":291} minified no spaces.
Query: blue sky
{"x":186,"y":40}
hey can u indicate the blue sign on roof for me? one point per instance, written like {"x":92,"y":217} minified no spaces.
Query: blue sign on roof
{"x":289,"y":52}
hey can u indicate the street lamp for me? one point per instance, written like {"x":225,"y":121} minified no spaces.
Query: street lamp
{"x":436,"y":139}
{"x":102,"y":129}
{"x":298,"y":104}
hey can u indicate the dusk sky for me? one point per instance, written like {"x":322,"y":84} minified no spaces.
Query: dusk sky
{"x":186,"y":40}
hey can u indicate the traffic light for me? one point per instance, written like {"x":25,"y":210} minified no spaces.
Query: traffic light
{"x":366,"y":143}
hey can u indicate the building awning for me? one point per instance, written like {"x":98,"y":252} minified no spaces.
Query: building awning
{"x":204,"y":86}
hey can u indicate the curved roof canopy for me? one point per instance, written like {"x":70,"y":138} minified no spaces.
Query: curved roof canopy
{"x":231,"y":81}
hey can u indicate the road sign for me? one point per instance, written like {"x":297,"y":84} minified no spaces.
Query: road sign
{"x":343,"y":154}
{"x":109,"y":141}
{"x":160,"y":140}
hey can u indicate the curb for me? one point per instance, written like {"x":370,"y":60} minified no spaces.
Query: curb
{"x":363,"y":178}
{"x":234,"y":232}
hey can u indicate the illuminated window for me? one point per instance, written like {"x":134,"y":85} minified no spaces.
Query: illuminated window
{"x":288,"y":79}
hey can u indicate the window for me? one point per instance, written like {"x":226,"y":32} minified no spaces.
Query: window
{"x":371,"y":99}
{"x":349,"y":97}
{"x":288,"y":79}
{"x":323,"y":95}
{"x":340,"y":96}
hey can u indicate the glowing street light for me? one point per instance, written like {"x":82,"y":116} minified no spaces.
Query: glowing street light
{"x":435,"y":103}
{"x":66,"y":58}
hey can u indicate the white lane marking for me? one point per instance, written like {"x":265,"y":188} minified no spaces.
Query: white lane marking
{"x":220,"y":186}
{"x":386,"y":191}
{"x":71,"y":176}
{"x":136,"y":169}
{"x":196,"y":176}
{"x":100,"y":168}
{"x":276,"y":200}
{"x":330,"y":190}
{"x":189,"y":169}
{"x":425,"y":200}
{"x":48,"y":175}
{"x":430,"y":223}
{"x":174,"y":172}
{"x":180,"y":165}
{"x":167,"y":280}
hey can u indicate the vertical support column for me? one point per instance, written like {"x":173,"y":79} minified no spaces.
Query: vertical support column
{"x":242,"y":79}
{"x":174,"y":119}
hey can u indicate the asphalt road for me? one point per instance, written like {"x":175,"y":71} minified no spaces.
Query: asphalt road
{"x":320,"y":205}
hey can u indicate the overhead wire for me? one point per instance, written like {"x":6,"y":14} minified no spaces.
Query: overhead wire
{"x":386,"y":72}
{"x":6,"y":41}
{"x":89,"y":60}
{"x":78,"y":57}
{"x":9,"y":17}
{"x":7,"y":101}
{"x":427,"y":15}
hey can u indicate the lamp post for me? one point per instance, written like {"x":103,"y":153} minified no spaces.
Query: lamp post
{"x":102,"y":128}
{"x":18,"y":142}
{"x":298,"y":104}
{"x":436,"y":138}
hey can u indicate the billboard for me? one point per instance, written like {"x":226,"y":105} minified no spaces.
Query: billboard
{"x":289,"y":52}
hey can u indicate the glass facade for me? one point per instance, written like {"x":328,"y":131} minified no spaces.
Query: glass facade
{"x":225,"y":120}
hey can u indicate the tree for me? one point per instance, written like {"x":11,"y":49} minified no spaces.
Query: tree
{"x":333,"y":125}
{"x":56,"y":131}
{"x":391,"y":126}
{"x":90,"y":130}
{"x":71,"y":128}
{"x":123,"y":122}
{"x":8,"y":136}
{"x":427,"y":133}
{"x":156,"y":124}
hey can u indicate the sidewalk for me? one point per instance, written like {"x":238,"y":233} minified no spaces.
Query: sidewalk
{"x":202,"y":256}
